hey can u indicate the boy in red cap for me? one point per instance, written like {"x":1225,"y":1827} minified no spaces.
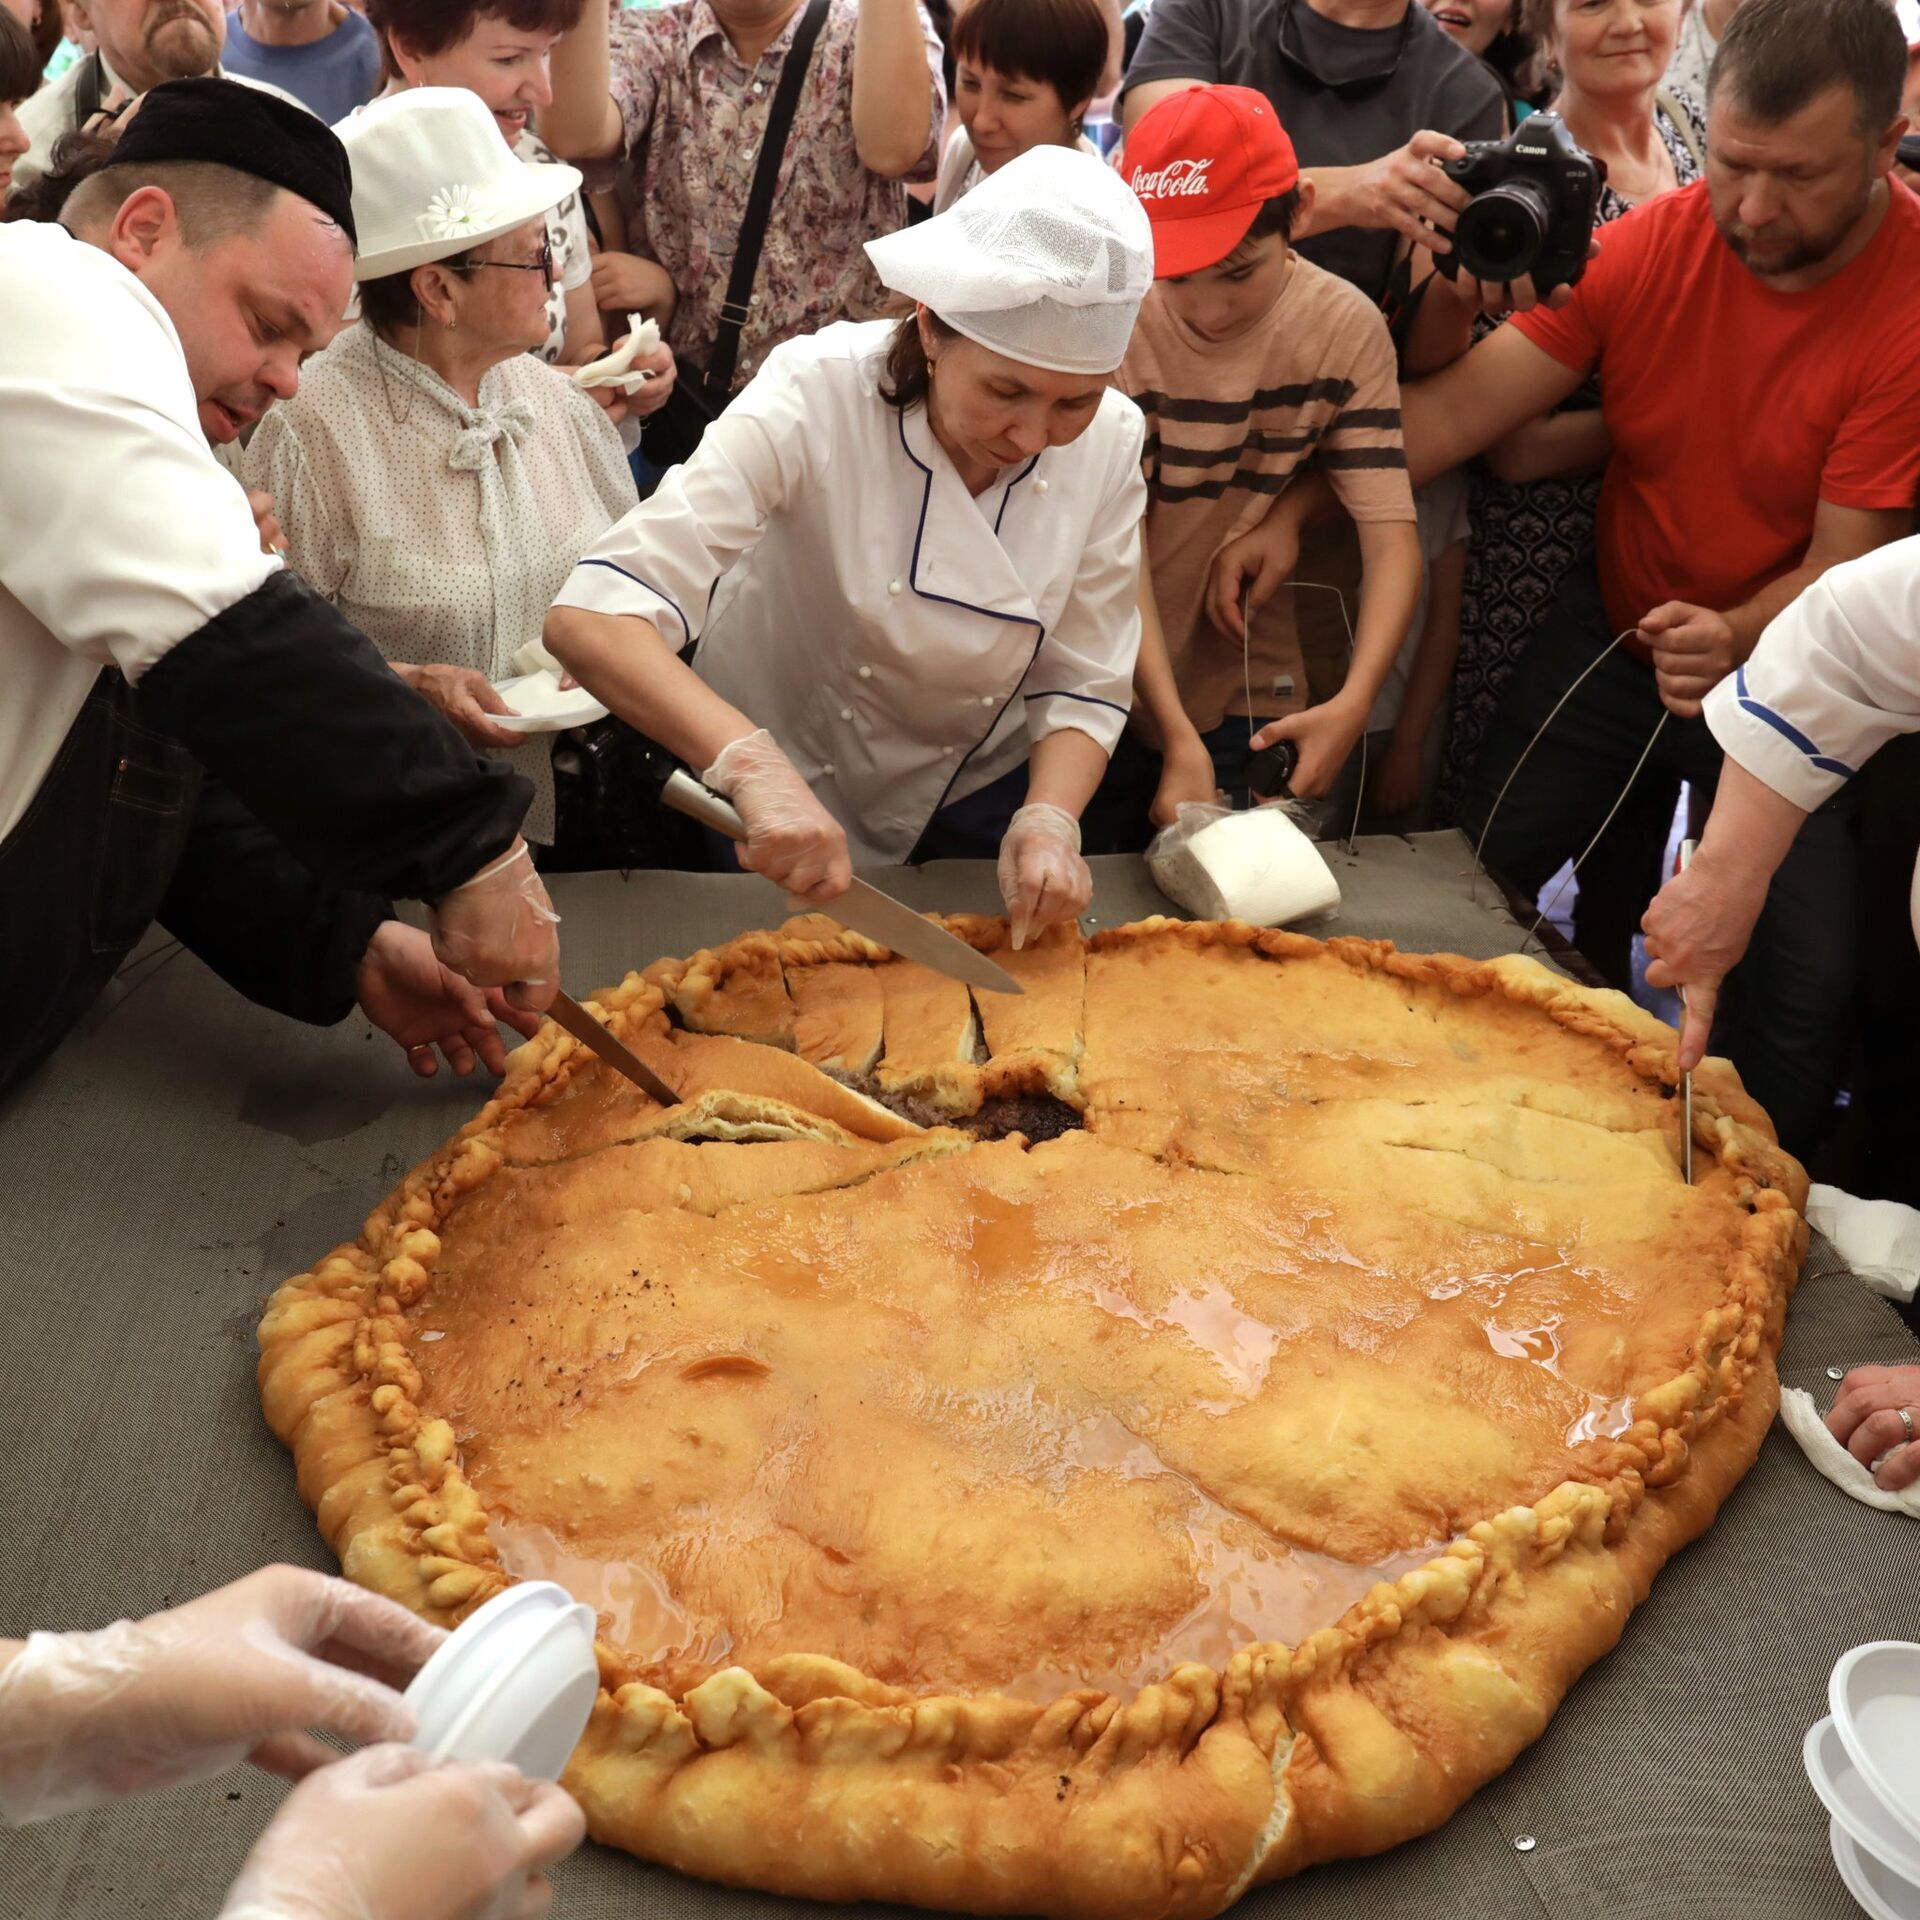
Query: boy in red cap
{"x":1248,"y":361}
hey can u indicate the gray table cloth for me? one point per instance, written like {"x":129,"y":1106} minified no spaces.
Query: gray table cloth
{"x":185,"y":1151}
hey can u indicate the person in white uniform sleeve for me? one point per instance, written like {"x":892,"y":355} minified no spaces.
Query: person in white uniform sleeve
{"x":906,"y":558}
{"x":1833,"y":678}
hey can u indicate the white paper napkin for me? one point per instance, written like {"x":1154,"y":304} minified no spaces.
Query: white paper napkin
{"x":534,"y":658}
{"x":611,"y":370}
{"x":1801,"y":1418}
{"x":1878,"y":1239}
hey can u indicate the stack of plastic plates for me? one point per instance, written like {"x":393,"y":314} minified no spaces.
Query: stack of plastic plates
{"x":1864,"y":1762}
{"x":516,"y":1682}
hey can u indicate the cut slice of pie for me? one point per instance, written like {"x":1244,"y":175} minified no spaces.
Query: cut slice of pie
{"x":1078,"y":1455}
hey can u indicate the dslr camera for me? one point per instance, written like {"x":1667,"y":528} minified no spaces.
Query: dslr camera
{"x":1534,"y":197}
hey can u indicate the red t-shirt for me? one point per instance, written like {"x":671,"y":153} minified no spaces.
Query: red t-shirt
{"x":1734,"y":408}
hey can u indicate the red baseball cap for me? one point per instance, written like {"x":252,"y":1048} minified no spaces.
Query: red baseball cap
{"x":1203,"y":162}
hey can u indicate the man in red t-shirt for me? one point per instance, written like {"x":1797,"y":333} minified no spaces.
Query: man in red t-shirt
{"x":1757,"y":338}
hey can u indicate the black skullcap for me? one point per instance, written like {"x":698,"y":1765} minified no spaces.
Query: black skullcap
{"x":248,"y":129}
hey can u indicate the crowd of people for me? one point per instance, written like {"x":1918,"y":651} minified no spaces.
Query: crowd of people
{"x":1054,"y":405}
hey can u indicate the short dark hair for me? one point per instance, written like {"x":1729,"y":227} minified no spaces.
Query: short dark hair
{"x":1275,"y":216}
{"x":388,"y":304}
{"x":19,"y":65}
{"x":432,"y":26}
{"x":908,"y":372}
{"x":1777,"y":56}
{"x":1061,"y":43}
{"x":211,"y":202}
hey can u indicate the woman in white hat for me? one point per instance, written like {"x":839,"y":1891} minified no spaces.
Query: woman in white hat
{"x":907,"y":556}
{"x":436,"y":481}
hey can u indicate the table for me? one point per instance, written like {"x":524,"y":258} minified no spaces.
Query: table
{"x":184,"y":1152}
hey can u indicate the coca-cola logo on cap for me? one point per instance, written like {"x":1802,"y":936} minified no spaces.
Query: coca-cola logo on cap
{"x":1177,"y":180}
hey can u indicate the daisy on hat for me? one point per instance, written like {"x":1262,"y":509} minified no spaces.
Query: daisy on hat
{"x":432,"y":178}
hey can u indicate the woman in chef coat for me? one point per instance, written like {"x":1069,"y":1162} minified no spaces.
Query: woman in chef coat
{"x":906,"y":558}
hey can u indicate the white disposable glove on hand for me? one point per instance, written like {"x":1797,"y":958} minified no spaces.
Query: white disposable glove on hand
{"x":186,"y":1694}
{"x":388,"y":1835}
{"x":1043,"y":880}
{"x":791,"y":837}
{"x":498,"y":930}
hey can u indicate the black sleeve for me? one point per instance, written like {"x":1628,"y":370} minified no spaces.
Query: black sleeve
{"x":1181,"y":42}
{"x":260,"y":919}
{"x":282,"y":699}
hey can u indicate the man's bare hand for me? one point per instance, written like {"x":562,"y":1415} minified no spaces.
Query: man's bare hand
{"x":1694,"y":649}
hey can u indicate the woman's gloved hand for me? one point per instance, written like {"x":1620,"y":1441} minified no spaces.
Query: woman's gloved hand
{"x":388,"y":1835}
{"x":791,"y":838}
{"x":498,"y":930}
{"x":1043,"y":880}
{"x":183,"y":1695}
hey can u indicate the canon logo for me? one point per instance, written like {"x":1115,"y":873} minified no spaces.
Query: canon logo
{"x":1178,"y":179}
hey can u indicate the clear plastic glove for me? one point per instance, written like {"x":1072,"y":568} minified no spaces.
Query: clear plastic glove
{"x":1043,"y":880}
{"x":186,"y":1694}
{"x":388,"y":1835}
{"x":791,"y":837}
{"x":498,"y":930}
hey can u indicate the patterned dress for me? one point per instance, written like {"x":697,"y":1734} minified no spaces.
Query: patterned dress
{"x":1525,"y":538}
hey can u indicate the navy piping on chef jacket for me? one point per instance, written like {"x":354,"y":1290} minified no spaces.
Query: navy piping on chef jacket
{"x":1785,"y":727}
{"x":658,"y":593}
{"x":946,"y":600}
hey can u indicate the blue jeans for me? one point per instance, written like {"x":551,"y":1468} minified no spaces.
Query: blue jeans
{"x":1787,"y":1013}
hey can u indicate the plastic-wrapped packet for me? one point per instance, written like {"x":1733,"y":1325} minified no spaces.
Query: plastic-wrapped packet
{"x":1256,"y":866}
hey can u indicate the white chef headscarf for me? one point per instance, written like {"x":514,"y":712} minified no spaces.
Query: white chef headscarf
{"x":1046,"y":261}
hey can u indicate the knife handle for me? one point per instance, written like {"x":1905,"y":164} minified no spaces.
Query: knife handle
{"x":686,"y":795}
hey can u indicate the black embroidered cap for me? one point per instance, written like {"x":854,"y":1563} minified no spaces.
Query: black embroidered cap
{"x":249,"y":130}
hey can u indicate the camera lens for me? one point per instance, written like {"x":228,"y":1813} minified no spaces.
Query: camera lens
{"x":1500,"y":232}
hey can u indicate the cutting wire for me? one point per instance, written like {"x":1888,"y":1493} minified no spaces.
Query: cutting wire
{"x":1479,"y":846}
{"x":1246,"y":666}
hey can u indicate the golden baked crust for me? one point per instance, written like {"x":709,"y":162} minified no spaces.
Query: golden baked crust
{"x":1094,"y":1527}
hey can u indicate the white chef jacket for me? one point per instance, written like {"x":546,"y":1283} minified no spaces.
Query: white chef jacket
{"x":1833,"y":678}
{"x":905,"y":642}
{"x":120,"y":534}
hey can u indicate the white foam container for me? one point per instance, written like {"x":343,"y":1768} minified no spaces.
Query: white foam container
{"x":1873,"y":1884}
{"x":515,"y":1681}
{"x":1855,"y":1807}
{"x":1875,"y":1695}
{"x":541,"y":706}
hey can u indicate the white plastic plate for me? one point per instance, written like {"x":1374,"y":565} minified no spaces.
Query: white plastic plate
{"x":1872,"y":1883}
{"x":1853,"y":1804}
{"x":516,"y":1682}
{"x":1875,"y":1696}
{"x":539,"y":706}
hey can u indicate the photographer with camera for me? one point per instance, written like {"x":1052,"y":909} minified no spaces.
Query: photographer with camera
{"x":1535,"y":496}
{"x":1759,"y":359}
{"x":1373,"y":94}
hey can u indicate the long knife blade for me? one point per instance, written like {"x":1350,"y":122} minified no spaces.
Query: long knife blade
{"x":862,"y":907}
{"x":1686,"y":1084}
{"x":567,"y":1012}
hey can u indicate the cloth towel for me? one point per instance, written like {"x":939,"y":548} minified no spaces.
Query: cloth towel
{"x":1878,"y":1239}
{"x":1802,"y":1419}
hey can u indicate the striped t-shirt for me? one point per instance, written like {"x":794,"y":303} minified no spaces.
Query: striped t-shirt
{"x":1228,"y":424}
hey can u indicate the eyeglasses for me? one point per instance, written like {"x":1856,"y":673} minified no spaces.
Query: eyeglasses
{"x":541,"y":263}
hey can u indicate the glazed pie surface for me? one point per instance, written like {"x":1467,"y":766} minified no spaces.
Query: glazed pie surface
{"x":1083,"y":1453}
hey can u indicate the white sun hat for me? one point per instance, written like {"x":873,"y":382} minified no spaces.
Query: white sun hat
{"x":1045,"y":261}
{"x":432,"y":177}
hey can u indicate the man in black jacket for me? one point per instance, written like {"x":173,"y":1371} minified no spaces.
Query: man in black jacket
{"x":188,"y":732}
